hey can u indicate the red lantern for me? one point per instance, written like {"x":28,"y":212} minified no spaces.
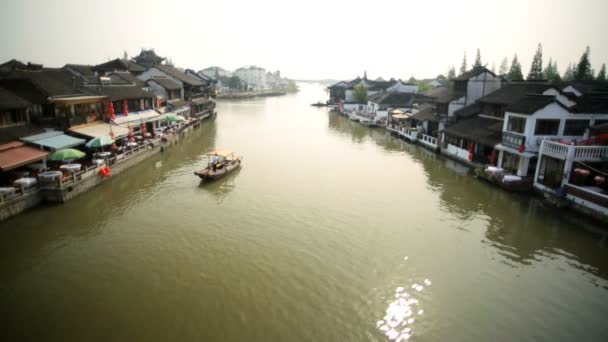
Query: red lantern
{"x":493,"y":157}
{"x":125,"y":107}
{"x":521,"y":148}
{"x":471,"y":147}
{"x":158,"y":102}
{"x":111,"y":112}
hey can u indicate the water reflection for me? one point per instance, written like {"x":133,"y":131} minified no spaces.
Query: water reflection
{"x":521,"y":228}
{"x":221,"y":188}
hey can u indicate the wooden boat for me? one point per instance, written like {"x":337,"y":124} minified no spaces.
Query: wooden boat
{"x":221,"y":162}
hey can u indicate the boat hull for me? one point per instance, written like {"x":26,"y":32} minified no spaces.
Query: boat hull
{"x":209,"y":175}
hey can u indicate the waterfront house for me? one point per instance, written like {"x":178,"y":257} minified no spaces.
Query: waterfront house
{"x":380,"y":104}
{"x":14,"y":116}
{"x":208,"y":86}
{"x":192,"y":87}
{"x":57,"y":97}
{"x":118,"y":65}
{"x":574,"y":176}
{"x":473,"y":85}
{"x":165,"y":88}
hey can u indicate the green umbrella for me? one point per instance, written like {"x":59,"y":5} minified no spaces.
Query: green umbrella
{"x":174,"y":118}
{"x":100,"y":141}
{"x":66,"y":154}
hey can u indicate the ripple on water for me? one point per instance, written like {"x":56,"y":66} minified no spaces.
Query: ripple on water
{"x":401,"y":314}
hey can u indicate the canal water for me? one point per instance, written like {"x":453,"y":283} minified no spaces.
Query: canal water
{"x":330,"y":231}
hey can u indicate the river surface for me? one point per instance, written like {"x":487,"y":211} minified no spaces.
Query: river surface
{"x":330,"y":231}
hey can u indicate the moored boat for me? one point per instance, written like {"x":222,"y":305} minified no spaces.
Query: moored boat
{"x":221,"y":162}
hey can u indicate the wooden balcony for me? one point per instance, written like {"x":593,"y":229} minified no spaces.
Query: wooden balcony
{"x":512,"y":139}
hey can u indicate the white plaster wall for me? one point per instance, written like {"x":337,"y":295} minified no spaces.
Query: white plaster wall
{"x":481,"y":85}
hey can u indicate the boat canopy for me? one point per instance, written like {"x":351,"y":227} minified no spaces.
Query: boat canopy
{"x":220,"y":153}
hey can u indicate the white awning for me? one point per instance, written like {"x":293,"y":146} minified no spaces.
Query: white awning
{"x":511,"y":150}
{"x":136,"y":118}
{"x":98,"y":129}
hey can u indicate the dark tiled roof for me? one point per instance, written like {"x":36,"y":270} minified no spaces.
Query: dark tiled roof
{"x":180,"y":75}
{"x":468,"y":111}
{"x":116,"y":93}
{"x":513,"y":92}
{"x":441,"y":94}
{"x":50,"y":81}
{"x":8,"y":100}
{"x":134,"y":67}
{"x":177,"y":103}
{"x":115,"y":64}
{"x":165,"y":82}
{"x":404,"y":99}
{"x":530,"y":104}
{"x":594,"y":103}
{"x":83,"y":70}
{"x":482,"y":130}
{"x":127,"y":76}
{"x":12,"y":65}
{"x":587,"y":86}
{"x":472,"y":73}
{"x":426,"y":113}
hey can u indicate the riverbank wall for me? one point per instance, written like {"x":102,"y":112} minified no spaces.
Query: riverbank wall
{"x":62,"y":191}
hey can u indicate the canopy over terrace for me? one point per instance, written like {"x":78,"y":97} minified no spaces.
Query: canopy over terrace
{"x":71,"y":100}
{"x":53,"y":140}
{"x":16,"y":154}
{"x":137,"y":118}
{"x":99,"y":129}
{"x":221,"y":153}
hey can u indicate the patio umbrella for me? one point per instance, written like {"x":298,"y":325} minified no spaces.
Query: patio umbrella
{"x":101,"y":141}
{"x":66,"y":154}
{"x":174,"y":118}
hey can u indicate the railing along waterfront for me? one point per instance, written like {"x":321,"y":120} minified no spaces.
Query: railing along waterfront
{"x":19,"y":193}
{"x":513,"y":139}
{"x":554,"y":149}
{"x":428,"y":140}
{"x":590,"y":153}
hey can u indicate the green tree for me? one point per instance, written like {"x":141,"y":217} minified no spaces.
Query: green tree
{"x":463,"y":67}
{"x":515,"y":70}
{"x":451,"y":73}
{"x":536,"y":68}
{"x":412,"y":80}
{"x":583,"y":71}
{"x":504,"y":66}
{"x":360,"y":93}
{"x":424,"y":86}
{"x":568,"y":73}
{"x":601,"y":76}
{"x":477,"y":63}
{"x":551,"y":73}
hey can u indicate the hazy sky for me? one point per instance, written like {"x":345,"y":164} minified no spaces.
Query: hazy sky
{"x":306,"y":39}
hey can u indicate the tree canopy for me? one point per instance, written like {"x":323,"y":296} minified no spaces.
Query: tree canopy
{"x":463,"y":67}
{"x":551,"y":73}
{"x":601,"y":76}
{"x":515,"y":70}
{"x":451,"y":73}
{"x":504,"y":66}
{"x":536,"y":68}
{"x":477,"y":63}
{"x":360,"y":93}
{"x":583,"y":71}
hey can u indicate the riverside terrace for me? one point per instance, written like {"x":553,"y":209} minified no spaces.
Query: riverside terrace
{"x":28,"y":178}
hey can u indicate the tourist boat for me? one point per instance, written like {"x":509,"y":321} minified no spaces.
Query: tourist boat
{"x":319,"y":104}
{"x":221,"y":162}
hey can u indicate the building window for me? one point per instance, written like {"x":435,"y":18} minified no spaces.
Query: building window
{"x":600,"y":122}
{"x":546,"y":127}
{"x":12,"y":118}
{"x":575,"y":127}
{"x":516,"y":124}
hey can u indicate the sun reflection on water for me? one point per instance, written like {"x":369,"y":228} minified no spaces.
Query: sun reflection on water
{"x":401,"y":314}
